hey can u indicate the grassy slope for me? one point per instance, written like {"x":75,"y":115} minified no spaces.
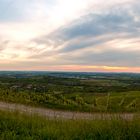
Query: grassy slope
{"x":113,"y":102}
{"x":19,"y":126}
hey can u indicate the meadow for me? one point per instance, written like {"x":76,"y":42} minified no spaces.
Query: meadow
{"x":102,"y":93}
{"x":111,"y":102}
{"x":15,"y":126}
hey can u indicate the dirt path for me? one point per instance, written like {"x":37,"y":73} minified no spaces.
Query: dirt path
{"x":50,"y":113}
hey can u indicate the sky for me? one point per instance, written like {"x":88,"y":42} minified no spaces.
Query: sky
{"x":70,"y":35}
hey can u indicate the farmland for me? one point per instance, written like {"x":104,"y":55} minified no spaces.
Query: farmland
{"x":70,"y":106}
{"x":86,"y":92}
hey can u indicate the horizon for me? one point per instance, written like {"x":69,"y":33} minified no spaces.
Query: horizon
{"x":45,"y":71}
{"x":70,"y":36}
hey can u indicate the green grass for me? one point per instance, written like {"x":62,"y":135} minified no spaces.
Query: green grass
{"x":105,"y":102}
{"x":15,"y":126}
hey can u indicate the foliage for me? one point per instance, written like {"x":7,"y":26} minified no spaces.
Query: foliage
{"x":73,"y":91}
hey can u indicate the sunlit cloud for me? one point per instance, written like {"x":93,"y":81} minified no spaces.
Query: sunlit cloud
{"x":81,"y":35}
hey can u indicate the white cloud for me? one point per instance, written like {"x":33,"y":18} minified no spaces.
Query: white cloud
{"x":63,"y":38}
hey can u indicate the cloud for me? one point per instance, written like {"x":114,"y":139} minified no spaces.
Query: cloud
{"x":88,"y":34}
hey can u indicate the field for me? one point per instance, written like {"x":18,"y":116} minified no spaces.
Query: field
{"x":113,"y":102}
{"x":25,"y":127}
{"x":93,"y":92}
{"x":101,"y":95}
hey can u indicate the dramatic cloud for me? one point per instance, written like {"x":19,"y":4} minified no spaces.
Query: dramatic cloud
{"x":70,"y":35}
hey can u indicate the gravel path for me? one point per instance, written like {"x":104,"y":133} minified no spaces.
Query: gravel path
{"x":50,"y":113}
